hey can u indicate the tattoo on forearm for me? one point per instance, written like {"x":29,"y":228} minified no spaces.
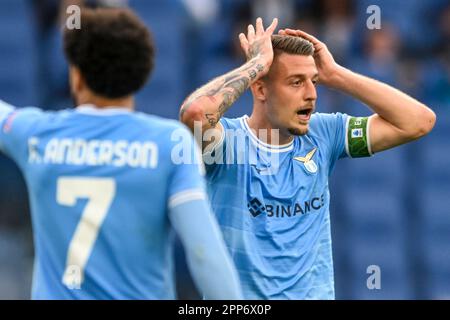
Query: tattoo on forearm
{"x":227,"y":101}
{"x":230,"y":78}
{"x":230,"y":87}
{"x":239,"y":85}
{"x":212,"y":120}
{"x":214,"y":91}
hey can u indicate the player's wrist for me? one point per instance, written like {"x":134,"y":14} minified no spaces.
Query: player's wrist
{"x":260,"y":64}
{"x":266,"y":63}
{"x":336,"y":77}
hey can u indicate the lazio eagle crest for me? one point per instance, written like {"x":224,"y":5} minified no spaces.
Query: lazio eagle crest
{"x":308,"y":162}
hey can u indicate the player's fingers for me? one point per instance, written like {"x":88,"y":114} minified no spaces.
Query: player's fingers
{"x":272,"y":26}
{"x":304,"y":35}
{"x":281,"y":32}
{"x":307,"y":36}
{"x":259,"y":26}
{"x":250,"y":33}
{"x":291,"y":32}
{"x":244,"y":42}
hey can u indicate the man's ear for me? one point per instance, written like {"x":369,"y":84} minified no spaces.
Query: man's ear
{"x":259,"y":90}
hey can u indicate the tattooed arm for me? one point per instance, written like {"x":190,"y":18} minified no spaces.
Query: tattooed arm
{"x":208,"y":104}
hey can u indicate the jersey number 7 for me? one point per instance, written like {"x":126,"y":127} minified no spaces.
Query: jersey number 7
{"x":100,"y":193}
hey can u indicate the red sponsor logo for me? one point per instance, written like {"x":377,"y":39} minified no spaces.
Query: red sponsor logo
{"x":8,"y":123}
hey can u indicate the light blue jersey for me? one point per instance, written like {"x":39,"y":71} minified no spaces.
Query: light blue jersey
{"x":272,"y":204}
{"x":101,"y":184}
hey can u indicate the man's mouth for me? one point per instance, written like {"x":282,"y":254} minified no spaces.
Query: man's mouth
{"x":305,"y":114}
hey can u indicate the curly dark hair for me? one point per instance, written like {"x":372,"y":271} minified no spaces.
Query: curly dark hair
{"x":113,"y":49}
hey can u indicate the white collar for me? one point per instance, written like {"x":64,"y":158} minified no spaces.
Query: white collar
{"x":263,"y":145}
{"x":108,"y":111}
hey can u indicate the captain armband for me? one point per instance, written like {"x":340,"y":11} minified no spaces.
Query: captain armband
{"x":357,"y":139}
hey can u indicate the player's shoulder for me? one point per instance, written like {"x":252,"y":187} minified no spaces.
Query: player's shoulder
{"x":138,"y":120}
{"x":326,"y":121}
{"x":233,"y":123}
{"x":320,"y":117}
{"x":37,"y":113}
{"x":29,"y":110}
{"x":24,"y":115}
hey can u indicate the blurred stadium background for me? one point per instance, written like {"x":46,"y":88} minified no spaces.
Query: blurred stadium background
{"x":392,"y":210}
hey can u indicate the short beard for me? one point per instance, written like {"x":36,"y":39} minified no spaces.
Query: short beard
{"x":297,"y":132}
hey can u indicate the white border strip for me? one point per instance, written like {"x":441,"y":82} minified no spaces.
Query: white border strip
{"x":186,"y":196}
{"x":369,"y":145}
{"x":109,"y":111}
{"x":265,"y":146}
{"x":346,"y":137}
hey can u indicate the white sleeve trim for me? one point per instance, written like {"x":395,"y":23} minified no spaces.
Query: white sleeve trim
{"x":5,"y":110}
{"x":369,"y":144}
{"x":186,"y":196}
{"x":346,"y":137}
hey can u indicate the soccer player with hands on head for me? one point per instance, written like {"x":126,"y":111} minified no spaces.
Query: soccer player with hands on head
{"x":273,"y":208}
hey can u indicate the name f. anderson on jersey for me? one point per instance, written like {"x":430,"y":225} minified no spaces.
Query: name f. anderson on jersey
{"x":83,"y":152}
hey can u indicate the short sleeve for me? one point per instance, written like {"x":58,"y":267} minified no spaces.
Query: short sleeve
{"x":187,"y":178}
{"x":16,"y":126}
{"x":332,"y":128}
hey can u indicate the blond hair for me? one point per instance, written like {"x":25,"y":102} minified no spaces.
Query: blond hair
{"x":292,"y":45}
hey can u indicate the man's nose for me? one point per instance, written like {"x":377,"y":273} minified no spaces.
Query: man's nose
{"x":310,"y":91}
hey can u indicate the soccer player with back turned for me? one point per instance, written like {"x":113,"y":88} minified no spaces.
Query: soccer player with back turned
{"x":270,"y":192}
{"x":105,"y":194}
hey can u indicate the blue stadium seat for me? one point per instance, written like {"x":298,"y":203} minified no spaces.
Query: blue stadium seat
{"x":433,"y":187}
{"x":387,"y":253}
{"x":435,"y":238}
{"x":385,"y":170}
{"x":374,"y":233}
{"x":375,"y":210}
{"x":166,"y":90}
{"x":214,"y":66}
{"x":434,"y":153}
{"x":17,"y":78}
{"x":435,"y":209}
{"x":15,"y":276}
{"x":437,"y":266}
{"x":393,"y":12}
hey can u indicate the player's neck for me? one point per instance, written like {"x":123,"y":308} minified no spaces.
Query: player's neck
{"x":103,"y":103}
{"x":266,"y":132}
